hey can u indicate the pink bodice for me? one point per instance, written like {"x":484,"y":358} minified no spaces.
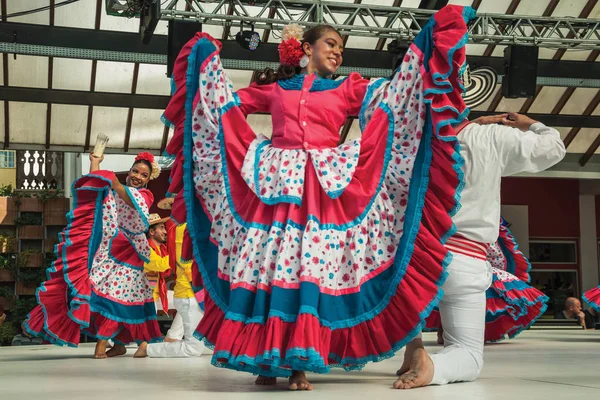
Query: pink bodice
{"x":307,"y":111}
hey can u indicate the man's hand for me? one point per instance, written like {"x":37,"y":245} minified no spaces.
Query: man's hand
{"x":581,"y":318}
{"x":520,"y":121}
{"x":491,"y":119}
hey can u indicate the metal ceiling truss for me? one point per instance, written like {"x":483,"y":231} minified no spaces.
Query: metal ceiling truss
{"x":40,"y":40}
{"x":378,"y":21}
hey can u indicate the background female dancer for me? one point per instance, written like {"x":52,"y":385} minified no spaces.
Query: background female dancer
{"x":97,"y":284}
{"x":315,"y":254}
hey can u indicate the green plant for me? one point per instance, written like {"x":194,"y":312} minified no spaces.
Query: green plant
{"x":28,"y":219}
{"x":6,"y":292}
{"x":32,"y":276}
{"x":6,"y":191}
{"x":7,"y":240}
{"x":49,"y":194}
{"x":7,"y":333}
{"x":9,"y":262}
{"x":21,"y":309}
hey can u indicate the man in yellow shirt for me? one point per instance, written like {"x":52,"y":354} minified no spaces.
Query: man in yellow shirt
{"x":186,"y":305}
{"x":158,"y":262}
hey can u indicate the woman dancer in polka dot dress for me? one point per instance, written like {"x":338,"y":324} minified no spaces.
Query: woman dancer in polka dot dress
{"x":97,"y":284}
{"x":315,"y":254}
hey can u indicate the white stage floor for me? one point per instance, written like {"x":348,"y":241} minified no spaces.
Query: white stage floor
{"x":560,"y":364}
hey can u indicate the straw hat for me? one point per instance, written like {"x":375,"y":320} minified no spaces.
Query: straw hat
{"x":166,"y":203}
{"x":156,"y":219}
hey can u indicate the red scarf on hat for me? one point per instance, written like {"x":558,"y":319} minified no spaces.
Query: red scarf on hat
{"x":162,"y":284}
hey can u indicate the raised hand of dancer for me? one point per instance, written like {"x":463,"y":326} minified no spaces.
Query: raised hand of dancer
{"x":95,"y":162}
{"x":520,"y":121}
{"x":490,"y":119}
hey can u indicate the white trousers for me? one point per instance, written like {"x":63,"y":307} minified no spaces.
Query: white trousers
{"x":462,"y":310}
{"x":176,"y":329}
{"x":191,"y":315}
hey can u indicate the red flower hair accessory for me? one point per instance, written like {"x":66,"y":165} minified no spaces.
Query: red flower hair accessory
{"x":145,"y":156}
{"x":290,"y":48}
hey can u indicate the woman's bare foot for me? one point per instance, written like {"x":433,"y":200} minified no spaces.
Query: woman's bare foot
{"x":100,"y":351}
{"x":420,"y":373}
{"x":170,"y":340}
{"x":142,"y":351}
{"x":117,"y":350}
{"x":265,"y":380}
{"x":410,"y":349}
{"x":298,"y":381}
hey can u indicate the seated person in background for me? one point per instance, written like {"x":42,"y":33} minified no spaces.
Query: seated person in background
{"x":572,"y":311}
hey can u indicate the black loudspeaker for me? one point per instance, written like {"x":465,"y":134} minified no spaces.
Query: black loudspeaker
{"x":180,"y":32}
{"x":520,"y":71}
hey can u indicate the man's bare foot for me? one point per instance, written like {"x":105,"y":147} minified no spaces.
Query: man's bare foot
{"x":298,"y":381}
{"x":170,"y":340}
{"x":100,"y":351}
{"x":142,"y":351}
{"x":265,"y":380}
{"x":420,"y":373}
{"x":410,"y":349}
{"x":117,"y":350}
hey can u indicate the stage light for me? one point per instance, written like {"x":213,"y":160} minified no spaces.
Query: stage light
{"x":249,"y":40}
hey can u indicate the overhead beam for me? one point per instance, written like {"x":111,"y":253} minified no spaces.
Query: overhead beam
{"x":126,"y":100}
{"x":124,"y":46}
{"x":80,"y":97}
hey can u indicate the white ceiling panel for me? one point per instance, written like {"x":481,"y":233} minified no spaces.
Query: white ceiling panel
{"x":579,"y":101}
{"x":122,"y":24}
{"x":41,"y":17}
{"x":85,"y":12}
{"x":114,"y":77}
{"x":152,"y":79}
{"x":71,"y":74}
{"x":146,"y":129}
{"x":510,"y":105}
{"x":547,"y":99}
{"x":27,"y":122}
{"x":110,"y":121}
{"x":68,"y":126}
{"x":28,"y":71}
{"x":582,"y":141}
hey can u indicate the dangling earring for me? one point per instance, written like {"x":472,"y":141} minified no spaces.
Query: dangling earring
{"x":304,"y":61}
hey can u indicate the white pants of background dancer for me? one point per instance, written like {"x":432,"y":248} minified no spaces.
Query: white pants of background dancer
{"x":462,"y":310}
{"x":176,"y":329}
{"x":191,"y":315}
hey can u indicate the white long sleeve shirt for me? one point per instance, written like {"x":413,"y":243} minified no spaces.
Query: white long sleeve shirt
{"x":491,"y":152}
